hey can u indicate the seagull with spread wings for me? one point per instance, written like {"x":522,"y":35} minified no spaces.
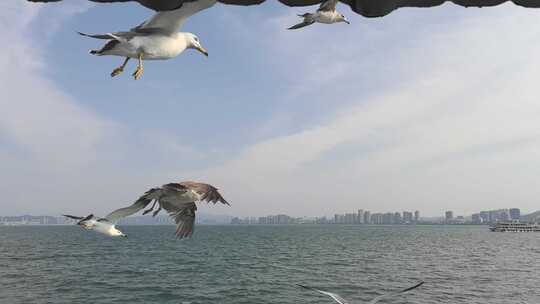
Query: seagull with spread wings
{"x":178,"y":199}
{"x":107,"y":224}
{"x":340,"y":300}
{"x":326,"y":13}
{"x":155,"y":39}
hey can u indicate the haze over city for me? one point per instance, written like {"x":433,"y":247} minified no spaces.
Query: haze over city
{"x":444,"y":117}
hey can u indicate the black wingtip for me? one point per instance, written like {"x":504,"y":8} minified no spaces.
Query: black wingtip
{"x":413,"y":287}
{"x":303,"y":286}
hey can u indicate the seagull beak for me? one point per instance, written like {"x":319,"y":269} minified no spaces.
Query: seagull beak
{"x":346,"y":21}
{"x":203,"y":50}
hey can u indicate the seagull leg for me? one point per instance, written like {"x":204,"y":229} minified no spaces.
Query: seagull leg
{"x":138,"y":72}
{"x":120,"y":69}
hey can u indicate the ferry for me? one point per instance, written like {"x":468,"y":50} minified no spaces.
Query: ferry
{"x":514,"y":226}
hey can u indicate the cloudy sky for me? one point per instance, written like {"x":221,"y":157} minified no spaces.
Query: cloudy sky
{"x":428,"y":109}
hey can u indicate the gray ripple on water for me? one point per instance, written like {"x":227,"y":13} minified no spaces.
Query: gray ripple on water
{"x":262,"y":264}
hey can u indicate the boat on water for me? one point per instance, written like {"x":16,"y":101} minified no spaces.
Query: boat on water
{"x":514,"y":226}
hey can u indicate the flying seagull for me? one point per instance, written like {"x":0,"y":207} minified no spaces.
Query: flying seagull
{"x":325,"y":14}
{"x":340,"y":300}
{"x":155,"y":39}
{"x":106,"y":225}
{"x":178,"y":199}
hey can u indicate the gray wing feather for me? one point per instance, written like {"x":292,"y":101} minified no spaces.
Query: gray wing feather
{"x":393,"y":294}
{"x":142,"y":202}
{"x":328,"y":6}
{"x":207,"y":192}
{"x":183,"y":216}
{"x":300,"y":25}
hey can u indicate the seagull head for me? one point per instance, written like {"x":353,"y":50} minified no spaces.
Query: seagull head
{"x":115,"y":232}
{"x":194,"y":43}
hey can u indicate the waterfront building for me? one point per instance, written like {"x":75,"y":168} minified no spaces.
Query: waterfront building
{"x":515,"y":213}
{"x":367,"y":217}
{"x":360,"y":216}
{"x":448,"y":216}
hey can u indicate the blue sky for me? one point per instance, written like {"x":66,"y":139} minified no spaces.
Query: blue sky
{"x":428,"y":109}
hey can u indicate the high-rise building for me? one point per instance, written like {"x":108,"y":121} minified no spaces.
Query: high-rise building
{"x":397,"y":218}
{"x":416,"y":216}
{"x":515,"y":213}
{"x":388,"y":218}
{"x":476,"y":219}
{"x":360,"y":216}
{"x":367,"y":217}
{"x":484,"y":215}
{"x":448,"y":216}
{"x":407,"y":217}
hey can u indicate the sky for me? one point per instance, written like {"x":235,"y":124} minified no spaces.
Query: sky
{"x":424,"y":109}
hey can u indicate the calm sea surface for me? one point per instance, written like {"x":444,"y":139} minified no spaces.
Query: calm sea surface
{"x":262,"y":264}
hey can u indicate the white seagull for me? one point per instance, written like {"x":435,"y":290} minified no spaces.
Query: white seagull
{"x":178,"y":199}
{"x":106,"y":225}
{"x":155,"y":39}
{"x":326,"y":13}
{"x":340,"y":300}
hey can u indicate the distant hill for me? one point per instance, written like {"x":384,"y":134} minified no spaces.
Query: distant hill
{"x":531,"y":217}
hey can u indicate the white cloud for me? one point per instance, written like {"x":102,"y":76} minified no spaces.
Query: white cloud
{"x":460,"y":132}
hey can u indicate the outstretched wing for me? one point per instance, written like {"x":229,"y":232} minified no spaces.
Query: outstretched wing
{"x":205,"y":192}
{"x":393,"y":294}
{"x":300,"y":25}
{"x":171,"y":21}
{"x":184,"y":217}
{"x":334,"y":296}
{"x":145,"y":199}
{"x":328,"y":6}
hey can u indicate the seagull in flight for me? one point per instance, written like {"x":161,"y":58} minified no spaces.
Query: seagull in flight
{"x":340,"y":300}
{"x":178,"y":199}
{"x":106,"y":225}
{"x":326,"y":13}
{"x":155,"y":39}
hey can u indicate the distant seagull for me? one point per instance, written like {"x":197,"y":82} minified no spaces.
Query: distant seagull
{"x":325,"y":14}
{"x":178,"y":199}
{"x":157,"y":5}
{"x":155,"y":39}
{"x":340,"y":300}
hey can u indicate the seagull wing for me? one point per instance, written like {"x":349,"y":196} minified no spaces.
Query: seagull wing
{"x":183,"y":215}
{"x":334,"y":296}
{"x":328,"y":6}
{"x":392,"y":294}
{"x":205,"y":192}
{"x":170,"y":22}
{"x":145,"y":199}
{"x":301,"y":25}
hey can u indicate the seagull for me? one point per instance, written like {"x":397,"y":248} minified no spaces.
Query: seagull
{"x":325,"y":14}
{"x":178,"y":199}
{"x":340,"y":300}
{"x":106,"y":225}
{"x":155,"y":39}
{"x":157,"y":5}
